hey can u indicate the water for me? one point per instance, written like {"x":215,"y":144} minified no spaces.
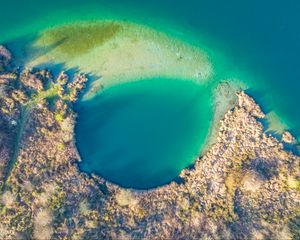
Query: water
{"x":142,"y":134}
{"x":257,"y":42}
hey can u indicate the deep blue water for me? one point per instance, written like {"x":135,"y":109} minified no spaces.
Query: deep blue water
{"x":142,"y":134}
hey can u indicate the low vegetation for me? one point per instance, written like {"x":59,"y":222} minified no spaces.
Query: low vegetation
{"x":245,"y":187}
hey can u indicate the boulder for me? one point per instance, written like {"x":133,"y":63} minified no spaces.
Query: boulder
{"x":5,"y":56}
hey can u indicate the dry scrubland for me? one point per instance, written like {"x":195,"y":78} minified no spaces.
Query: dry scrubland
{"x":245,"y":186}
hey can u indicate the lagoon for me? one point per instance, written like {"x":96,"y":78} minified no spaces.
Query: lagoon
{"x":142,"y":134}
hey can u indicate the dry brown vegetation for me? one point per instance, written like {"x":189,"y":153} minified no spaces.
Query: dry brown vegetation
{"x":245,"y":187}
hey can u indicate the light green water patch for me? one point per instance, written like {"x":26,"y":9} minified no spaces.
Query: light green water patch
{"x":117,"y":51}
{"x":75,"y":40}
{"x":142,"y":134}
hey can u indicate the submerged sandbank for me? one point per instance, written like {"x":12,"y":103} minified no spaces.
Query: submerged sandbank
{"x":117,"y":51}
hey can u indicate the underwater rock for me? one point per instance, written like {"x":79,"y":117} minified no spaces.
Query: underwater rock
{"x":5,"y":56}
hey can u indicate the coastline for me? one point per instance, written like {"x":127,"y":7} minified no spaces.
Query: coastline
{"x":245,"y":185}
{"x":113,"y":76}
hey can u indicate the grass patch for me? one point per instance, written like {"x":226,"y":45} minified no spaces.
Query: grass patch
{"x":59,"y":117}
{"x":61,"y":146}
{"x":293,"y":183}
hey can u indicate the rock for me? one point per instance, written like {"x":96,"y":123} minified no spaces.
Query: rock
{"x":287,"y":137}
{"x":33,"y":82}
{"x":125,"y":198}
{"x":249,"y":104}
{"x":252,"y":182}
{"x":5,"y":56}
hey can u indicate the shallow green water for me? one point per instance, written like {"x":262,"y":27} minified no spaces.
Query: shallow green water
{"x":142,"y":134}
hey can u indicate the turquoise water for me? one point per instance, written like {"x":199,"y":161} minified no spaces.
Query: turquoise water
{"x":142,"y":134}
{"x":258,"y":40}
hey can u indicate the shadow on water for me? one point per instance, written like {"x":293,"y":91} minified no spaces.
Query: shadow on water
{"x":260,"y":98}
{"x":292,"y":147}
{"x":263,"y":101}
{"x":20,"y":48}
{"x":24,"y":50}
{"x":92,"y":78}
{"x":109,"y":108}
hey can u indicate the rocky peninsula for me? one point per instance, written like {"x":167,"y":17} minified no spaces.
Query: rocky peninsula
{"x":246,"y":185}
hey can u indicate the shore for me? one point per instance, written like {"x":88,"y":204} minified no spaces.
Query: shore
{"x":246,"y":185}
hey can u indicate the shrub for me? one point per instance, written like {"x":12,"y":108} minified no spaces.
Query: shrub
{"x":8,"y":199}
{"x":59,"y":117}
{"x":43,"y":217}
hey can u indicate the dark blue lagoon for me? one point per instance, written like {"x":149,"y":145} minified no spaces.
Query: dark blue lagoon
{"x":142,"y":134}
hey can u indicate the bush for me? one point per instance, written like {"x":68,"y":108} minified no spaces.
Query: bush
{"x":59,"y":117}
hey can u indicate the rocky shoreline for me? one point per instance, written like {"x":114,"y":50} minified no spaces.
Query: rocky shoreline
{"x":245,"y":186}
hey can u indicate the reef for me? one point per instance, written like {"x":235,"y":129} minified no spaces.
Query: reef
{"x":247,"y":185}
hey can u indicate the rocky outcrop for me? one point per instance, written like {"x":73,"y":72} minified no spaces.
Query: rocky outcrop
{"x":287,"y":137}
{"x":9,"y":114}
{"x":34,"y":81}
{"x":5,"y":57}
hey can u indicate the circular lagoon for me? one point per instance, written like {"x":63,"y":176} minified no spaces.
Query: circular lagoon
{"x":142,"y":134}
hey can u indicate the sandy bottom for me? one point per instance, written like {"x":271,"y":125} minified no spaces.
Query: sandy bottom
{"x":114,"y":52}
